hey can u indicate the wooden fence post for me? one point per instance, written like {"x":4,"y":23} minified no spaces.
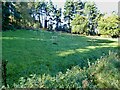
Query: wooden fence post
{"x":4,"y":70}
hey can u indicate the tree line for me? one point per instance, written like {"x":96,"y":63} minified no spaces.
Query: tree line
{"x":28,"y":14}
{"x":80,"y":17}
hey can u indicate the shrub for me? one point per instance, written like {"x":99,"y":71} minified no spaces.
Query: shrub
{"x":109,"y":25}
{"x":104,"y":73}
{"x":79,"y":25}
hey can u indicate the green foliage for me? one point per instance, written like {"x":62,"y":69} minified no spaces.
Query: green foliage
{"x":57,"y":17}
{"x":42,"y":10}
{"x":26,"y":20}
{"x":79,"y":7}
{"x":79,"y":25}
{"x":104,"y":73}
{"x":16,"y":15}
{"x":91,"y":11}
{"x":23,"y":14}
{"x":69,"y":11}
{"x":109,"y":25}
{"x":9,"y":13}
{"x":86,"y":9}
{"x":5,"y":15}
{"x":71,"y":8}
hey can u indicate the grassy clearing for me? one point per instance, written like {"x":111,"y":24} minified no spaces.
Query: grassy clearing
{"x":42,"y":52}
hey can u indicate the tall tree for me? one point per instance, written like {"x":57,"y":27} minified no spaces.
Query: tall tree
{"x":79,"y":6}
{"x":33,"y":9}
{"x":69,"y":11}
{"x":5,"y":15}
{"x":10,"y":15}
{"x":51,"y":10}
{"x":40,"y":10}
{"x":57,"y":17}
{"x":46,"y":11}
{"x":24,"y":10}
{"x":91,"y":12}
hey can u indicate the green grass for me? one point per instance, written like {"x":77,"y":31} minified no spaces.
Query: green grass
{"x":104,"y":73}
{"x":42,"y":52}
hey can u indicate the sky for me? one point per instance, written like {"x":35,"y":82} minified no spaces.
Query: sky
{"x":105,"y":6}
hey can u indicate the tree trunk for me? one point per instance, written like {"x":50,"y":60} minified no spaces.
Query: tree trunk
{"x":69,"y":26}
{"x":39,"y":21}
{"x":4,"y":71}
{"x":45,"y":22}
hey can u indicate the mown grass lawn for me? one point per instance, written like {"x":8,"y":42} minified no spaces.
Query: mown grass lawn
{"x":42,"y":52}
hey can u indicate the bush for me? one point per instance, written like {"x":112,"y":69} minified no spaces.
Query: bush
{"x":79,"y":25}
{"x":104,"y":73}
{"x":109,"y":25}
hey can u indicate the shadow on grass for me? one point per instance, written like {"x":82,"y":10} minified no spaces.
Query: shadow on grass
{"x":91,"y":55}
{"x":68,"y":51}
{"x":65,"y":62}
{"x":101,"y":41}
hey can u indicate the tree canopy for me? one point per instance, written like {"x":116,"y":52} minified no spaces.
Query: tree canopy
{"x":36,"y":15}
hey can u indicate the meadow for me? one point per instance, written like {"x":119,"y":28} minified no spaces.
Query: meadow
{"x":42,"y":52}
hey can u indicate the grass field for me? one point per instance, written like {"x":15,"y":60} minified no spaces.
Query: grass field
{"x":39,"y":52}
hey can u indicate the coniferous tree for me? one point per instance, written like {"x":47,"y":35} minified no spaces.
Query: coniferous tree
{"x":40,"y":10}
{"x":57,"y":17}
{"x":5,"y":15}
{"x":91,"y":13}
{"x":79,"y":6}
{"x":26,"y":19}
{"x":69,"y":12}
{"x":51,"y":10}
